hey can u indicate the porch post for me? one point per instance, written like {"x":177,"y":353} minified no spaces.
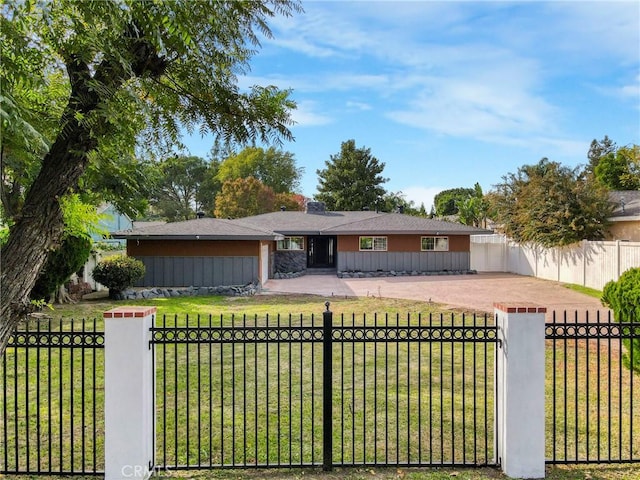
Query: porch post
{"x":129,"y":397}
{"x":520,"y":414}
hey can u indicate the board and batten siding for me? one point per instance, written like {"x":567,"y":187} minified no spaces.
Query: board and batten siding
{"x":403,"y":254}
{"x":205,"y":263}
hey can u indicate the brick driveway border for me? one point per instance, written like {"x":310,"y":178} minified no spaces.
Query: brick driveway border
{"x":470,"y":292}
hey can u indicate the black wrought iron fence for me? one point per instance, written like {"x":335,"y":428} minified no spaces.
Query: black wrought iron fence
{"x":298,"y":391}
{"x":52,"y":399}
{"x":593,"y":398}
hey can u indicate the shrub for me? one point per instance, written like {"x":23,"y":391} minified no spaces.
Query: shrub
{"x":623,"y":297}
{"x":118,"y":273}
{"x":61,"y":264}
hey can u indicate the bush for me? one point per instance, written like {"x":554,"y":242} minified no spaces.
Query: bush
{"x":118,"y":273}
{"x":623,"y":297}
{"x":61,"y":264}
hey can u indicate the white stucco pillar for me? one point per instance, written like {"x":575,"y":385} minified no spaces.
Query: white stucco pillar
{"x":520,"y":414}
{"x":129,"y":397}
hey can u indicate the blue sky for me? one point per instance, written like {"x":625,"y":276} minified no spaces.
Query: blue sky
{"x":448,"y":94}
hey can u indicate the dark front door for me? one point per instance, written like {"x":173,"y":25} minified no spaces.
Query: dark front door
{"x":321,"y":252}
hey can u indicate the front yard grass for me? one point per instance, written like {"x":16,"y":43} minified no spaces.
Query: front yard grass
{"x":222,"y":308}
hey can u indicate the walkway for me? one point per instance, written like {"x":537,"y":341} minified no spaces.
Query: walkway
{"x":473,"y":292}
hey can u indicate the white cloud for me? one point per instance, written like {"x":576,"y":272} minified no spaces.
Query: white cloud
{"x":306,"y":115}
{"x":361,"y":106}
{"x":480,"y":105}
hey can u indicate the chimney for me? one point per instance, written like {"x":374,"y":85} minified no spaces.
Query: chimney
{"x":315,"y":207}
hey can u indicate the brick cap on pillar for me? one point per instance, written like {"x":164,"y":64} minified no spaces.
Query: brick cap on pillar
{"x":130,"y":312}
{"x":519,"y":307}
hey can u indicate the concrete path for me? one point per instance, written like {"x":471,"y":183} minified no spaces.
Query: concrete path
{"x":473,"y":292}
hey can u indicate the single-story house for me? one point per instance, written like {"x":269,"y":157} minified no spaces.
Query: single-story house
{"x":625,"y":220}
{"x":213,"y":252}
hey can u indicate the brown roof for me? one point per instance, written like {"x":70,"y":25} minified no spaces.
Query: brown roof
{"x":202,"y":229}
{"x":355,"y":223}
{"x":301,"y":223}
{"x":269,"y":226}
{"x":390,"y":223}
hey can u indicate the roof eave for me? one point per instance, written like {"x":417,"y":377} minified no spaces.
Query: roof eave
{"x":196,"y":237}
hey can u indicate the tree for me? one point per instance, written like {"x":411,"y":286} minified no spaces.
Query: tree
{"x":397,"y":202}
{"x":244,"y":197}
{"x":550,"y":205}
{"x":597,"y":150}
{"x":81,"y":220}
{"x":351,"y":179}
{"x":473,"y":210}
{"x":143,"y":68}
{"x":623,"y":297}
{"x":274,"y":168}
{"x":177,"y":187}
{"x":61,"y":264}
{"x":290,"y":201}
{"x":209,"y":187}
{"x":446,"y":202}
{"x":620,"y":170}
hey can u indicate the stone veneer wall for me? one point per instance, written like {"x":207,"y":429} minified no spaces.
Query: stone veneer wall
{"x":402,"y":273}
{"x":287,"y":261}
{"x":162,"y":292}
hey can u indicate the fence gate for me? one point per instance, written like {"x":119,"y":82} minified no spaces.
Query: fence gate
{"x":592,"y":395}
{"x":52,"y":399}
{"x":297,"y":391}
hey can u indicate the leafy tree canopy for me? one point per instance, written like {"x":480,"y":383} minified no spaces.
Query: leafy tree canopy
{"x":550,"y":205}
{"x":177,"y":184}
{"x":244,"y":197}
{"x":135,"y":73}
{"x":473,"y":210}
{"x":397,"y":202}
{"x":620,"y":170}
{"x":290,"y":201}
{"x":351,"y":180}
{"x":446,"y":202}
{"x":274,"y":168}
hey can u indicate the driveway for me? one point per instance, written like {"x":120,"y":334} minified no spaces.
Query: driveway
{"x":473,"y":292}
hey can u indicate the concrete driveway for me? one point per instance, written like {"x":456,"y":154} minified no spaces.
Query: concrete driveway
{"x":473,"y":292}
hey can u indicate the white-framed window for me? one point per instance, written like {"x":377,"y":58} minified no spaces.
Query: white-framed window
{"x":377,"y":244}
{"x":435,"y":244}
{"x":291,"y":243}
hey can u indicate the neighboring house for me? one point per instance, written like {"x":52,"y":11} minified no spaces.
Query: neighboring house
{"x":114,"y":221}
{"x":625,"y":221}
{"x":212,"y":252}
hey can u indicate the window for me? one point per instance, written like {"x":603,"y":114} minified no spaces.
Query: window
{"x":291,"y":243}
{"x":437,"y":244}
{"x":378,"y":244}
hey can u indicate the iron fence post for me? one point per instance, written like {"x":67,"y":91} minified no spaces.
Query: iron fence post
{"x":327,"y":393}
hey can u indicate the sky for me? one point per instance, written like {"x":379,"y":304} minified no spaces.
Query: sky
{"x":447,"y":94}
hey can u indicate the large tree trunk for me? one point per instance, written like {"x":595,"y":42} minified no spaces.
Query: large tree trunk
{"x":38,"y":228}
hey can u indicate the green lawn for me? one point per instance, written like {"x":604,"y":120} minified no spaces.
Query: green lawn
{"x":264,"y":397}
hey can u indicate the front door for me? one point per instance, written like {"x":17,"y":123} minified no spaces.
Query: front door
{"x":321,"y":252}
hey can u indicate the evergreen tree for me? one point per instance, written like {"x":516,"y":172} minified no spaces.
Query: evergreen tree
{"x":351,"y":180}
